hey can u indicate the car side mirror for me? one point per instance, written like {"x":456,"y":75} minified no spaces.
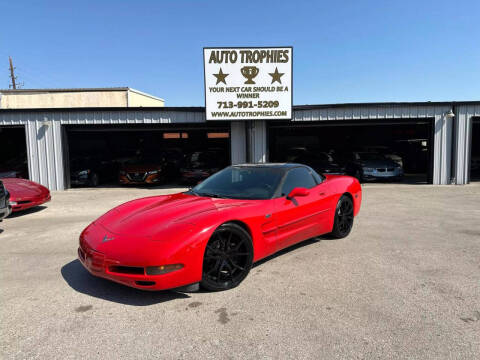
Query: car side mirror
{"x":298,"y":191}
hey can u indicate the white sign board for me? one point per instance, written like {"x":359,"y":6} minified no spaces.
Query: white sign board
{"x":248,"y":83}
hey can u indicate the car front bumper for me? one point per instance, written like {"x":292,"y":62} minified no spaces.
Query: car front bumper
{"x":127,"y":263}
{"x":79,"y":181}
{"x":147,"y":179}
{"x":383,"y":174}
{"x":27,"y":203}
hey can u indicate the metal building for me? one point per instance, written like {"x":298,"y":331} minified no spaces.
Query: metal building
{"x":76,"y":98}
{"x":449,"y":124}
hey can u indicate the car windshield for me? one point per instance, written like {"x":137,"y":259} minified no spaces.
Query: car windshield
{"x":252,"y":183}
{"x":371,"y":156}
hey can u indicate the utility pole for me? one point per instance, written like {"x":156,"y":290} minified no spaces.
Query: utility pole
{"x":12,"y":73}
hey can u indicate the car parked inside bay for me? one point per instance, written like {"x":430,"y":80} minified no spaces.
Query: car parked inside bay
{"x":321,"y":162}
{"x":145,"y":169}
{"x":199,"y":165}
{"x":370,"y":166}
{"x":92,"y":171}
{"x":212,"y":234}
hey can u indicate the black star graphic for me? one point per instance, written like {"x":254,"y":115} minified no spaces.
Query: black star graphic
{"x":276,"y":76}
{"x":220,"y":77}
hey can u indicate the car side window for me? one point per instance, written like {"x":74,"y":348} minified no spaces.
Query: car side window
{"x":297,"y":177}
{"x":318,"y":178}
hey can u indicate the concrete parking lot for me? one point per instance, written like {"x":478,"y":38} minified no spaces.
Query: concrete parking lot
{"x":404,"y":284}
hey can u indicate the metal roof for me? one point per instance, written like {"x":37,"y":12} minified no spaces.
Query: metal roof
{"x":16,"y":91}
{"x":202,"y":109}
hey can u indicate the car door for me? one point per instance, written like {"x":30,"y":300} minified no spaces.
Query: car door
{"x":301,"y":217}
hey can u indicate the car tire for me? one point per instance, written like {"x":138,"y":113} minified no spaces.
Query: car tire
{"x":93,"y":181}
{"x":228,"y":258}
{"x":343,"y":221}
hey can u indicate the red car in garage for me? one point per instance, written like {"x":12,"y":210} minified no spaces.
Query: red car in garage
{"x":212,"y":234}
{"x":25,"y":194}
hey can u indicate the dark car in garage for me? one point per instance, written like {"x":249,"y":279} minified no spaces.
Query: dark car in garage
{"x":321,"y":162}
{"x":368,"y":166}
{"x":201,"y":164}
{"x":15,"y":167}
{"x":92,"y":171}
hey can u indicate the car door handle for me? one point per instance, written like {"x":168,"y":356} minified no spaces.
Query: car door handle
{"x":321,"y":194}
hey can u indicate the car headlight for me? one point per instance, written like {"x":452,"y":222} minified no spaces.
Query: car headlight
{"x":84,"y":173}
{"x":153,"y":172}
{"x":368,"y":169}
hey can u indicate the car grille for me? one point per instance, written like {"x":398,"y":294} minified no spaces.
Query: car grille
{"x":135,"y":176}
{"x":132,"y":270}
{"x":385,"y":169}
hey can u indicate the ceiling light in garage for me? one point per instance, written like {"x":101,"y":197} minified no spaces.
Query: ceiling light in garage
{"x":171,"y":135}
{"x":218,"y":135}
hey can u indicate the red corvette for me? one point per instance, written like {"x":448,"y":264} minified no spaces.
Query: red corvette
{"x":212,"y":234}
{"x":25,"y":194}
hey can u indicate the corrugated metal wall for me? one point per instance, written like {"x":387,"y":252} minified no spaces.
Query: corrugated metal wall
{"x":442,"y":128}
{"x":463,"y":141}
{"x":44,"y":134}
{"x":44,"y":128}
{"x":238,"y":142}
{"x":257,"y":138}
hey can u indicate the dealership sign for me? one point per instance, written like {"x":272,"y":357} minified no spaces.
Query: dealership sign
{"x":248,"y":83}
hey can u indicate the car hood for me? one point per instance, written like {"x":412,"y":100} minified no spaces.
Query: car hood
{"x":153,"y":215}
{"x":378,"y":163}
{"x":22,"y":188}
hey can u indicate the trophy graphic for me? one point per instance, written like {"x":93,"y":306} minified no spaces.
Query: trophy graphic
{"x":249,"y":72}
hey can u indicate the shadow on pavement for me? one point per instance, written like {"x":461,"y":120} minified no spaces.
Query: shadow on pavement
{"x":32,"y":210}
{"x":80,"y":280}
{"x":290,"y":249}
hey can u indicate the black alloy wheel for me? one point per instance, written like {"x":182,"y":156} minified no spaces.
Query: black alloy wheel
{"x":228,"y":258}
{"x":343,"y":222}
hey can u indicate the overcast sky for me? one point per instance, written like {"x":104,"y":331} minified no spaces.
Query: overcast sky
{"x":344,"y":51}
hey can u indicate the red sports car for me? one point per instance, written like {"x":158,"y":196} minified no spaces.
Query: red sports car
{"x":212,"y":234}
{"x":25,"y":194}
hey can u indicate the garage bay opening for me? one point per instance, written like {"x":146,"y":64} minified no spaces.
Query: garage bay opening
{"x":475,"y":154}
{"x":393,"y":151}
{"x":161,"y":155}
{"x":13,"y":152}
